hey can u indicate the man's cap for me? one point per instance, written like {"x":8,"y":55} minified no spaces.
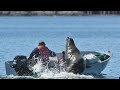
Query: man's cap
{"x":41,"y":43}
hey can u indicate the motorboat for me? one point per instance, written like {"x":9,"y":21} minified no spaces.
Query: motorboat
{"x":96,"y":62}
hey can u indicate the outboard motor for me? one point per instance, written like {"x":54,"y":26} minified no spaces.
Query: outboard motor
{"x":20,"y":60}
{"x":21,"y":66}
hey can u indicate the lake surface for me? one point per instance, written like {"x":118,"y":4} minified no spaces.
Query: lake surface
{"x":20,"y":35}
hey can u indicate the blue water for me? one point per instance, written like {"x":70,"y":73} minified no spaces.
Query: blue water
{"x":20,"y":35}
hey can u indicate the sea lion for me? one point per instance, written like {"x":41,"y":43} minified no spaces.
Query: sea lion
{"x":75,"y":62}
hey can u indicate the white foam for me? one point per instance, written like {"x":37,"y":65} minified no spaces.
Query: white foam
{"x":65,"y":75}
{"x":16,"y":77}
{"x":45,"y":73}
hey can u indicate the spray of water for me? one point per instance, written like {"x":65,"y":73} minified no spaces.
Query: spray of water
{"x":57,"y":72}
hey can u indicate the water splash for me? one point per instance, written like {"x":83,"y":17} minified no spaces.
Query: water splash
{"x":43,"y":72}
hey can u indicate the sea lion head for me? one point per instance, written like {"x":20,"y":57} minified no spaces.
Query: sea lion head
{"x":70,"y":46}
{"x":70,"y":42}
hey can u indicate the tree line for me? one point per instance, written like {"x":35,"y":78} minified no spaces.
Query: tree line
{"x":69,"y":13}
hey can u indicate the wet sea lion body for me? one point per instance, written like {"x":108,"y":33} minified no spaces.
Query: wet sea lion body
{"x":75,"y":62}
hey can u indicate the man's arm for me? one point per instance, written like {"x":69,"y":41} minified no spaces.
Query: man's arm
{"x":52,"y":54}
{"x":34,"y":52}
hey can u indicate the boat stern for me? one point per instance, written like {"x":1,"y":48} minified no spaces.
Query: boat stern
{"x":9,"y":69}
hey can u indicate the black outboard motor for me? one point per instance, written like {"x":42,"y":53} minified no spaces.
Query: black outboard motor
{"x":21,"y":66}
{"x":20,"y":60}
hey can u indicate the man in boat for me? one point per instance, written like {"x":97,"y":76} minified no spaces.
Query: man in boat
{"x":42,"y":52}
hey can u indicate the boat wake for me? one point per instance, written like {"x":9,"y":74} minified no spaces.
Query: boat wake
{"x":50,"y":75}
{"x":62,"y":75}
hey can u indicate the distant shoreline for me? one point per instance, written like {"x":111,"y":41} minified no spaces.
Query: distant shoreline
{"x":59,"y":13}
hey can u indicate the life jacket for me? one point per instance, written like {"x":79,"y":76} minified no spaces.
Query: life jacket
{"x":44,"y":52}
